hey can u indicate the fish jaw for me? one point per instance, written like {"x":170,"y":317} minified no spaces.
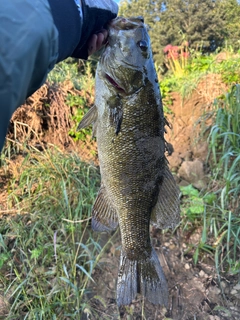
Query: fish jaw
{"x":123,"y":61}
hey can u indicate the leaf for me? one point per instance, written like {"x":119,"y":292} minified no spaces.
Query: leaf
{"x":189,"y":191}
{"x":100,"y":299}
{"x":210,"y":198}
{"x":3,"y":258}
{"x":195,"y":255}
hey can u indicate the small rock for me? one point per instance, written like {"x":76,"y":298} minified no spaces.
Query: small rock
{"x":202,"y":274}
{"x":112,"y":285}
{"x":174,"y":161}
{"x":200,"y":151}
{"x":215,"y":290}
{"x":187,"y":155}
{"x":187,"y":266}
{"x":237,"y":287}
{"x":227,"y":290}
{"x":193,"y":172}
{"x":233,"y":291}
{"x":214,"y":318}
{"x":183,"y":183}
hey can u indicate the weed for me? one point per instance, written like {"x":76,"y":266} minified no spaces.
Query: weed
{"x":219,"y":211}
{"x":81,"y":109}
{"x":166,"y":86}
{"x":47,"y":250}
{"x":79,"y":99}
{"x":177,"y":58}
{"x":224,"y":142}
{"x":63,"y":71}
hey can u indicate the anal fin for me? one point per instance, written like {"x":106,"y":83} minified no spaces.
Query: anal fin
{"x":104,"y":215}
{"x":166,"y":212}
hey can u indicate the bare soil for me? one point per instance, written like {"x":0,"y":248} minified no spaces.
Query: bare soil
{"x":195,"y":291}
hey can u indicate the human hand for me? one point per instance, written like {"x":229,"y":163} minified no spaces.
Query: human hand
{"x":96,"y":15}
{"x":96,"y":41}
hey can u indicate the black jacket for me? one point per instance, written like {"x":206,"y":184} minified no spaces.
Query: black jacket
{"x":34,"y":36}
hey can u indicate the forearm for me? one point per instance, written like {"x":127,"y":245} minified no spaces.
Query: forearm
{"x":28,"y":51}
{"x":36,"y":34}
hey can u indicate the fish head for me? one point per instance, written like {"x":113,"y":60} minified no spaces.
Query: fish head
{"x":126,"y":59}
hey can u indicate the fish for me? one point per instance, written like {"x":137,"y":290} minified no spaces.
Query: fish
{"x":137,"y":187}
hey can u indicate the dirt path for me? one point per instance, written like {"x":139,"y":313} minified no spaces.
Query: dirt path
{"x":195,"y":292}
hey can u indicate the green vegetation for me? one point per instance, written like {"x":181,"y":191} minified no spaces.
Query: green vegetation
{"x":217,"y":210}
{"x":207,"y":26}
{"x":198,"y":66}
{"x":79,"y":73}
{"x":81,"y":109}
{"x":47,"y":248}
{"x":224,"y":140}
{"x":78,"y":76}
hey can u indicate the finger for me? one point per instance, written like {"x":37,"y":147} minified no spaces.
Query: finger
{"x":105,"y":34}
{"x":100,"y":40}
{"x":92,"y":44}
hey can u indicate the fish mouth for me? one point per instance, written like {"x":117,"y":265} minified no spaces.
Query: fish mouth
{"x":114,"y":83}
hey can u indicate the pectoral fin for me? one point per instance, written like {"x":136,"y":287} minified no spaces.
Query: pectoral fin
{"x":166,"y":212}
{"x":104,"y":215}
{"x":89,"y":118}
{"x":115,"y":112}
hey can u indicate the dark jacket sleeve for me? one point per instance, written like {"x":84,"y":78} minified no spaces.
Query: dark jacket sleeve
{"x":36,"y":34}
{"x":76,"y":24}
{"x":28,"y":51}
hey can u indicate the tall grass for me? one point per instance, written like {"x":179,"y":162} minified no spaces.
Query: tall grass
{"x":224,"y":141}
{"x":216,"y":211}
{"x":47,"y":249}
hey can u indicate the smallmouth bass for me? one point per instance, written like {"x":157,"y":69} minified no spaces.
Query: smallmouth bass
{"x":137,"y":187}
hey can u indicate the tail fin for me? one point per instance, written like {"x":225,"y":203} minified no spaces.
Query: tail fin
{"x":141,"y":276}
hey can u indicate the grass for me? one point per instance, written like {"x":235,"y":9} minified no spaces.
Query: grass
{"x":196,"y":68}
{"x":217,"y":210}
{"x":47,"y":249}
{"x":78,"y":78}
{"x":79,"y":73}
{"x":224,"y":140}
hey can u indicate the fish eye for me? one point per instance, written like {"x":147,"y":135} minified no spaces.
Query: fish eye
{"x":143,"y":45}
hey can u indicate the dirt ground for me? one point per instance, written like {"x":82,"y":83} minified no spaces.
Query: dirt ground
{"x":195,"y":291}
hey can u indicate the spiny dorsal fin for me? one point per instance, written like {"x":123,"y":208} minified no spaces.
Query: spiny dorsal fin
{"x":89,"y":118}
{"x":166,"y":212}
{"x":104,"y":216}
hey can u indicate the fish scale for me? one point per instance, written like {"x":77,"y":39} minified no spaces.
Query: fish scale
{"x":137,"y":187}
